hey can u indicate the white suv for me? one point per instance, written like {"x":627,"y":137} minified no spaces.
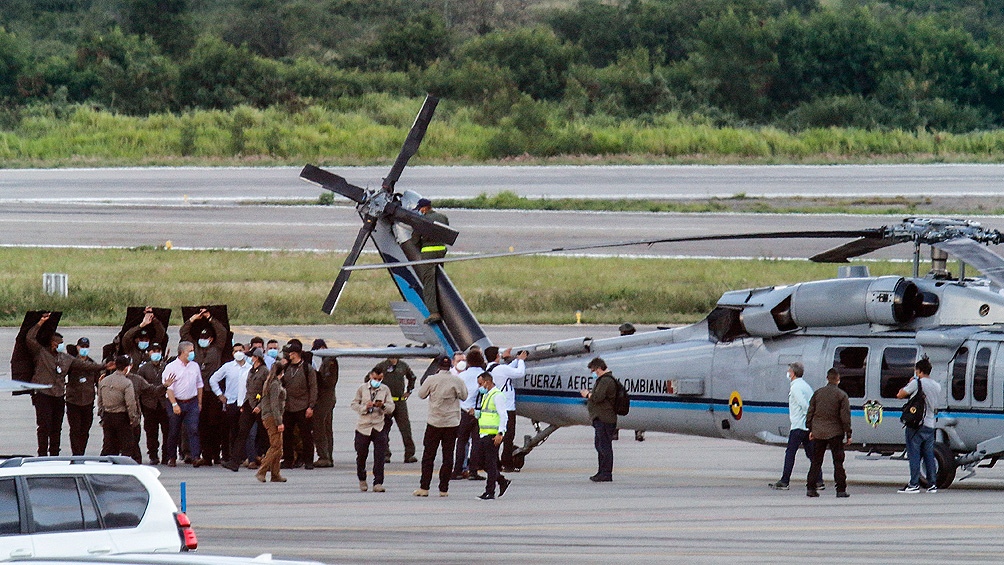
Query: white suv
{"x":80,"y":506}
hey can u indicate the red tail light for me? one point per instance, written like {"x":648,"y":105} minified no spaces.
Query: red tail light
{"x":188,"y":538}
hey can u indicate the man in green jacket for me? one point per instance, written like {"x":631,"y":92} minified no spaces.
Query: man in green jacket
{"x":829,"y":423}
{"x":430,"y":249}
{"x":600,"y":402}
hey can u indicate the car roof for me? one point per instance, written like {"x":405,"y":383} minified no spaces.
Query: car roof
{"x":12,"y":466}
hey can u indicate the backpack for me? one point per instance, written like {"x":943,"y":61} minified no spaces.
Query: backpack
{"x":622,"y":402}
{"x":914,"y":409}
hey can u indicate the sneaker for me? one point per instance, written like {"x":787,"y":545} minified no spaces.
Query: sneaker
{"x":821,"y":486}
{"x":260,"y":477}
{"x":910,"y":489}
{"x":476,"y":477}
{"x":379,"y":488}
{"x":842,"y":494}
{"x":363,"y":486}
{"x":933,"y":489}
{"x":443,"y":494}
{"x":421,"y":492}
{"x":486,"y":496}
{"x":172,"y":462}
{"x":279,"y":479}
{"x":504,"y":486}
{"x":779,"y":486}
{"x":812,"y":493}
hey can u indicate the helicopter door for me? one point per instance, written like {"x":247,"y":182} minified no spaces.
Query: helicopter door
{"x":980,"y":385}
{"x":958,"y":388}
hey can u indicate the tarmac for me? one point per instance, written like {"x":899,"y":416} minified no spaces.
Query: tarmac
{"x":674,"y":498}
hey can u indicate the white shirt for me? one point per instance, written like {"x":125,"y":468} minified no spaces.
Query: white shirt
{"x":470,"y":378}
{"x":798,"y":403}
{"x":503,"y":376}
{"x":188,"y":379}
{"x":236,"y":376}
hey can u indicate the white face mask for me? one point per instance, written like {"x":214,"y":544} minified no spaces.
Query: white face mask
{"x":239,"y":356}
{"x":462,"y":365}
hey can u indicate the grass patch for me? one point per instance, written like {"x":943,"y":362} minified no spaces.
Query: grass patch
{"x":289,"y":287}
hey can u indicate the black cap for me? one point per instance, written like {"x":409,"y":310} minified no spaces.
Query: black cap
{"x":84,"y":342}
{"x":156,"y":345}
{"x":143,"y":333}
{"x":294,"y":346}
{"x":422,"y":203}
{"x":318,"y":344}
{"x":206,"y":332}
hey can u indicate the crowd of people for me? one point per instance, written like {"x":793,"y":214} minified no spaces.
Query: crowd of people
{"x":270,"y":408}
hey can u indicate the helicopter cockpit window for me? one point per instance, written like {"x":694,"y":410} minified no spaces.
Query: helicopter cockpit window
{"x":850,"y":362}
{"x":981,"y":373}
{"x":959,"y":364}
{"x":897,"y":368}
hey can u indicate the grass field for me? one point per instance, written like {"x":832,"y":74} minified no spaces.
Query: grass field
{"x":289,"y":287}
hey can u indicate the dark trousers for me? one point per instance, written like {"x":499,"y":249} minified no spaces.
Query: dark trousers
{"x":120,"y":438}
{"x":80,"y":419}
{"x":467,"y":433}
{"x":379,"y":441}
{"x":49,"y":420}
{"x":796,"y":439}
{"x":436,"y":438}
{"x":189,"y":420}
{"x":324,"y":441}
{"x":819,"y":447}
{"x":155,"y":424}
{"x":400,"y":416}
{"x":489,"y":454}
{"x":507,"y":441}
{"x":298,"y":420}
{"x":238,"y":447}
{"x":603,"y":440}
{"x":427,"y":274}
{"x":231,"y":427}
{"x":211,"y":433}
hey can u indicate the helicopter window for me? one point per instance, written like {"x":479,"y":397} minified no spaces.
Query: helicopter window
{"x":851,"y":363}
{"x":959,"y":364}
{"x":897,"y":368}
{"x":981,"y":372}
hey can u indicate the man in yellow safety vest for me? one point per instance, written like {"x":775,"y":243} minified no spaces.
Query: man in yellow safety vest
{"x":492,"y":426}
{"x":430,"y":249}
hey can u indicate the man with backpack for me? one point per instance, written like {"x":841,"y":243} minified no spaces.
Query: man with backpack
{"x":920,"y":438}
{"x":601,"y":403}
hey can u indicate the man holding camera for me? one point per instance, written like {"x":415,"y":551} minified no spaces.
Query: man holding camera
{"x":374,"y":403}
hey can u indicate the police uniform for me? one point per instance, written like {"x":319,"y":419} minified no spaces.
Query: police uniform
{"x":400,"y":379}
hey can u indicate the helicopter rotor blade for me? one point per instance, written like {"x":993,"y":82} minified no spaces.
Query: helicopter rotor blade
{"x":977,"y":255}
{"x":867,"y":233}
{"x":412,"y":142}
{"x":333,"y":182}
{"x":856,"y":248}
{"x":343,"y":274}
{"x":421,"y":224}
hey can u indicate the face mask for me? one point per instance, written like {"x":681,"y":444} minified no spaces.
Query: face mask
{"x":203,"y":343}
{"x":273,"y":353}
{"x":593,"y":373}
{"x":239,"y":356}
{"x":482,"y":390}
{"x":191,"y":356}
{"x":61,"y":348}
{"x":84,"y":351}
{"x":143,"y":345}
{"x":156,"y":357}
{"x":462,"y":365}
{"x":374,"y":383}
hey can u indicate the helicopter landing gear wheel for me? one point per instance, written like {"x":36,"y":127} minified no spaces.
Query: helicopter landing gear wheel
{"x":945,"y":460}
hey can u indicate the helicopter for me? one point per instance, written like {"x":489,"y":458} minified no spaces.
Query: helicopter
{"x":726,"y":375}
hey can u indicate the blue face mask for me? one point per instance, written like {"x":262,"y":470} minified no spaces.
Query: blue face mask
{"x":374,"y":384}
{"x":273,"y":353}
{"x":156,"y":357}
{"x":61,"y":348}
{"x":84,"y":351}
{"x":203,"y":343}
{"x":143,"y":345}
{"x":191,"y":356}
{"x":594,"y":375}
{"x":482,"y":390}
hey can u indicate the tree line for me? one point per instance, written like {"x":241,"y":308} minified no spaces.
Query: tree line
{"x":932,"y":65}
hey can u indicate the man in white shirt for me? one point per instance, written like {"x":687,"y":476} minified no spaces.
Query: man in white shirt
{"x":234,"y":375}
{"x":503,"y":375}
{"x":185,"y":396}
{"x":799,"y":394}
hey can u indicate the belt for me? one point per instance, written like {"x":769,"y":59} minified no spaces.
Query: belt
{"x":431,"y":248}
{"x":193,"y":399}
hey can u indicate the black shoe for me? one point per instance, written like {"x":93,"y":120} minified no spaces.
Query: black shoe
{"x":154,"y":461}
{"x":286,"y":465}
{"x":503,"y":486}
{"x":812,"y":493}
{"x":477,"y":477}
{"x":487,"y":496}
{"x":200,"y":462}
{"x":309,"y":466}
{"x":779,"y":485}
{"x":229,"y":465}
{"x":600,"y":479}
{"x":411,"y":459}
{"x":298,"y":464}
{"x":821,"y":486}
{"x":842,"y":494}
{"x":433,"y":319}
{"x":458,"y":477}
